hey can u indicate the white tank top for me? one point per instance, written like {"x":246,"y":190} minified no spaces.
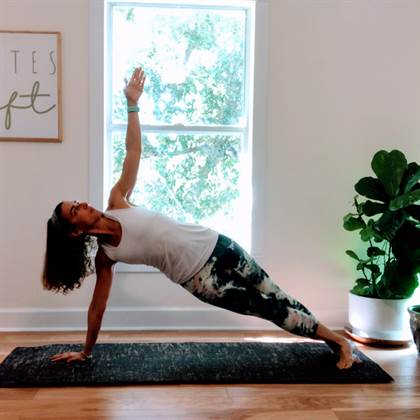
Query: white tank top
{"x":179,"y":250}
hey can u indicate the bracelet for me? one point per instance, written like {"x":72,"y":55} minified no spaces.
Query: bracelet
{"x":133,"y":108}
{"x":87,"y":357}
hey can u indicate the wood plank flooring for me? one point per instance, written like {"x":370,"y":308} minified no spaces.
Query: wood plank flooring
{"x":399,"y":400}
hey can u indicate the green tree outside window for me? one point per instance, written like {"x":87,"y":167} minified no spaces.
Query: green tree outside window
{"x":195,"y":66}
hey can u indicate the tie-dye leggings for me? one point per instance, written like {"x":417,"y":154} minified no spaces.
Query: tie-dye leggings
{"x":232,"y":279}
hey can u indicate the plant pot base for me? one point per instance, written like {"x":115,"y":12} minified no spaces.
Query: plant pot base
{"x":362,"y":337}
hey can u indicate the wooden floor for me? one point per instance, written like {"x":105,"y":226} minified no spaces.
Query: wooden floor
{"x":398,"y":400}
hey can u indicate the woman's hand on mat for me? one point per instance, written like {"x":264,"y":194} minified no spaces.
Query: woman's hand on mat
{"x":134,"y":87}
{"x":70,"y":356}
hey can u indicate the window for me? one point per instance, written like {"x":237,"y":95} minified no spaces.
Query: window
{"x":196,"y":111}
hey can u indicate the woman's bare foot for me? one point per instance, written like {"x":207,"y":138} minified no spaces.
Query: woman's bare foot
{"x":347,"y":355}
{"x":339,"y":345}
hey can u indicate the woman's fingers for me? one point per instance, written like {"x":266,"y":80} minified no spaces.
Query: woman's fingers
{"x":63,"y":359}
{"x":134,"y":88}
{"x":135,"y":74}
{"x":138,"y":76}
{"x":142,"y":78}
{"x":54,"y":359}
{"x":58,"y":356}
{"x":62,"y":356}
{"x":69,"y":357}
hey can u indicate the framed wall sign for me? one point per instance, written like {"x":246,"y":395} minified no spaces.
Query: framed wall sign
{"x":30,"y":86}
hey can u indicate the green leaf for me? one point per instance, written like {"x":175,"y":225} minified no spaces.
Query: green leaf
{"x":361,"y":291}
{"x":361,"y":265}
{"x":413,"y":211}
{"x":374,"y":268}
{"x":378,"y":238}
{"x":352,"y":223}
{"x":404,"y":200}
{"x":367,"y":233}
{"x":376,"y":275}
{"x":370,"y":208}
{"x":406,"y":247}
{"x":371,"y":188}
{"x":374,"y":251}
{"x":352,"y":254}
{"x":382,"y":291}
{"x":400,"y":284}
{"x":411,"y":177}
{"x":390,"y":270}
{"x":390,"y":168}
{"x":389,"y":223}
{"x":362,"y":282}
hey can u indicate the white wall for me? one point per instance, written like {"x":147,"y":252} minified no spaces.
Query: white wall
{"x":344,"y":82}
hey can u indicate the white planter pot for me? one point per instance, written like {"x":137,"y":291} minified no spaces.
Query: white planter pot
{"x":380,"y":319}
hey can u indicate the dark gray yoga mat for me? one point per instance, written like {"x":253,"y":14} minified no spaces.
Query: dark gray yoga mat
{"x":190,"y":362}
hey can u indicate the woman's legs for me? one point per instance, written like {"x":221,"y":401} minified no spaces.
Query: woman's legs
{"x":233,"y":280}
{"x":336,"y":342}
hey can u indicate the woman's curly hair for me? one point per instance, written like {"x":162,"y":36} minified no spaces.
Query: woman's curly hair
{"x":68,"y":260}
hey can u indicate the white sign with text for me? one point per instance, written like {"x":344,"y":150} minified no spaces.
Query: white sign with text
{"x":30,"y":93}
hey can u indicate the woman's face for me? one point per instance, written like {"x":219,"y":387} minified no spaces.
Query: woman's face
{"x":80,"y":214}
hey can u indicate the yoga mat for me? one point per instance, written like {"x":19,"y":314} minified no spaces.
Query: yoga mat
{"x":189,"y":362}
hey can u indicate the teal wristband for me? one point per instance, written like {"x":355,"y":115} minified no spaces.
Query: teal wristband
{"x":133,"y":108}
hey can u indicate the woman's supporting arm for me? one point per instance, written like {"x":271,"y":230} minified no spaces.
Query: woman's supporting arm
{"x":94,"y":326}
{"x":104,"y":275}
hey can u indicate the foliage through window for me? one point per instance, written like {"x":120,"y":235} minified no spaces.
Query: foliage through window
{"x":195,"y":163}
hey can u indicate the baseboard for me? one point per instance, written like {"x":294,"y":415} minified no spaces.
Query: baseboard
{"x":146,"y":318}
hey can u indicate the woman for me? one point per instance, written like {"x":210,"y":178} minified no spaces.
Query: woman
{"x":211,"y":266}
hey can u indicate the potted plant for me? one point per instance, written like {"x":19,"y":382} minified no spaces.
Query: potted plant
{"x":390,"y":226}
{"x":414,"y":312}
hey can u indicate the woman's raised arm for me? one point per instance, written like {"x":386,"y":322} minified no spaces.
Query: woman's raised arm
{"x":123,"y":187}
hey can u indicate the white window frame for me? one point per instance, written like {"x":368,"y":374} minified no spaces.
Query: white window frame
{"x":99,"y":152}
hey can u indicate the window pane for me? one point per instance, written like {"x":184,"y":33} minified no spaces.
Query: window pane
{"x":193,"y":58}
{"x":191,"y":178}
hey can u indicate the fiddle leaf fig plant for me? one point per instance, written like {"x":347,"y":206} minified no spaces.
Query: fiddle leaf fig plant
{"x":389,"y":222}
